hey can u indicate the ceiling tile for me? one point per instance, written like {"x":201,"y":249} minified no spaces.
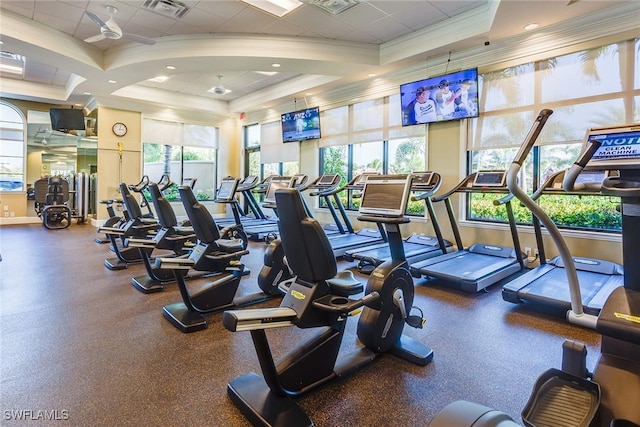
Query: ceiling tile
{"x":284,"y":28}
{"x":59,"y":24}
{"x":249,"y":20}
{"x":451,"y":8}
{"x":59,"y":10}
{"x":361,"y":16}
{"x":361,"y":36}
{"x":206,"y":21}
{"x":24,"y":8}
{"x":182,"y":28}
{"x":419,"y":15}
{"x":388,"y":28}
{"x":224,"y":8}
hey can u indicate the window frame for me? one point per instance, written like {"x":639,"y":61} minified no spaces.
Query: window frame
{"x":23,"y":158}
{"x":627,"y":49}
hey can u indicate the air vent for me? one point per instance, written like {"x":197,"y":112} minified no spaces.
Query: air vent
{"x":172,"y":8}
{"x":334,"y":7}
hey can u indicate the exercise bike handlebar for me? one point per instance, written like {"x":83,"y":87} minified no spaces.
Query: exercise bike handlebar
{"x":268,"y":318}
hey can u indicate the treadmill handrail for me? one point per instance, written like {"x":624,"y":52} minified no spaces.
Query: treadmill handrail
{"x":431,"y":190}
{"x":464,"y":187}
{"x":576,"y":314}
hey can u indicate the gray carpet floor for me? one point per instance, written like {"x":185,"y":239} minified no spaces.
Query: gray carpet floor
{"x":79,"y":343}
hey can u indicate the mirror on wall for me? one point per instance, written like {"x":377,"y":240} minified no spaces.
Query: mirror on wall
{"x":51,"y":152}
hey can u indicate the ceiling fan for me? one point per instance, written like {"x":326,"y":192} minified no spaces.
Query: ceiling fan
{"x":111,"y":30}
{"x":220,"y":90}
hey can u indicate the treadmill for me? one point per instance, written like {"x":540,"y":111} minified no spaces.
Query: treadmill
{"x":417,"y":247}
{"x":479,"y":265}
{"x":260,"y":231}
{"x":547,"y":285}
{"x":226,"y":193}
{"x":322,"y":187}
{"x":351,"y":239}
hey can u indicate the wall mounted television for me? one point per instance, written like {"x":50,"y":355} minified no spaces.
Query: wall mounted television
{"x":451,"y":96}
{"x":66,"y":119}
{"x":301,"y":125}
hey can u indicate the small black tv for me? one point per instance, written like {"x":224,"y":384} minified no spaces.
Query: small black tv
{"x":301,"y":125}
{"x":451,"y":96}
{"x":66,"y":119}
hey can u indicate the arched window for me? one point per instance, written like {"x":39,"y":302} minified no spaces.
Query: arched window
{"x":12,"y":168}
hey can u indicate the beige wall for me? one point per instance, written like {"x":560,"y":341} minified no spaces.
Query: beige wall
{"x":115,"y":166}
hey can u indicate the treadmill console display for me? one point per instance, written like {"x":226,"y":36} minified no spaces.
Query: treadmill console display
{"x":275,"y":184}
{"x":327,"y":179}
{"x":421,"y":180}
{"x":592,"y":177}
{"x":385,"y":195}
{"x":226,"y":190}
{"x":489,"y":179}
{"x":620,"y":147}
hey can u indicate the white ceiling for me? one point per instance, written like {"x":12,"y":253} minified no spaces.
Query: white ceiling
{"x":317,"y":51}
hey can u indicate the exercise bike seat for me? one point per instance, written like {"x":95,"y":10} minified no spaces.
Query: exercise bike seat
{"x":345,"y":283}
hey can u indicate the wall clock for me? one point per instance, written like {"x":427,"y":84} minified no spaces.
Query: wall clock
{"x":119,"y":129}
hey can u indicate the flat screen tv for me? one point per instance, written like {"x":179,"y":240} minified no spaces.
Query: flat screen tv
{"x":451,"y":96}
{"x":66,"y":119}
{"x":301,"y":125}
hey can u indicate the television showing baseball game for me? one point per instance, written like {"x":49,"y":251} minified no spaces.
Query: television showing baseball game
{"x":301,"y":125}
{"x":451,"y":96}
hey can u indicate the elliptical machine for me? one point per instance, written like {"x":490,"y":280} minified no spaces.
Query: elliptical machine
{"x":314,"y":300}
{"x":572,"y":396}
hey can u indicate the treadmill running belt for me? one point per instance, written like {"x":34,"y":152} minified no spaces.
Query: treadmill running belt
{"x":553,"y":286}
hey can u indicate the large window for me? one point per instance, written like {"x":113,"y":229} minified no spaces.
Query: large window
{"x":12,"y":126}
{"x":590,"y":88}
{"x":260,"y":158}
{"x":183,"y":152}
{"x":368,"y":137}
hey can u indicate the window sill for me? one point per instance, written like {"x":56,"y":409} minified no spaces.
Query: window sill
{"x":528,"y":229}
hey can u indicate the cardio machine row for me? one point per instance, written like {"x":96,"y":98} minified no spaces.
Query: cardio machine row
{"x":316,"y":297}
{"x":619,"y":339}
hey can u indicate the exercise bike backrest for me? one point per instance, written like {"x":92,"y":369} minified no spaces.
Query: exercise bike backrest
{"x":164,"y":211}
{"x":199,"y":217}
{"x":130,"y":203}
{"x":308,"y":250}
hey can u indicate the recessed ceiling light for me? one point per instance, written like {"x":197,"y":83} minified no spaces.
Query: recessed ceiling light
{"x":159,"y":79}
{"x":11,"y":63}
{"x":275,"y":65}
{"x":171,"y":67}
{"x":531,"y":26}
{"x":371,"y":75}
{"x":112,"y":81}
{"x":266,"y":73}
{"x":275,"y":7}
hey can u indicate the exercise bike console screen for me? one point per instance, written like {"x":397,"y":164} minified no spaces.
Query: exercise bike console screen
{"x":619,"y":149}
{"x":489,"y":179}
{"x":385,"y":196}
